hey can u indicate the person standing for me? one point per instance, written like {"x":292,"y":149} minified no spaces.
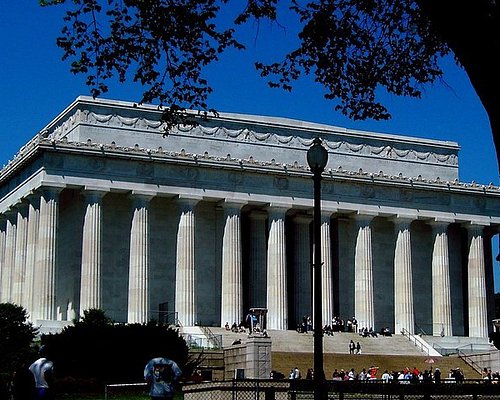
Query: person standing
{"x":161,"y":374}
{"x":43,"y":372}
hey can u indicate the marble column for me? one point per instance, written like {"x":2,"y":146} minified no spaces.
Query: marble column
{"x":476,"y":283}
{"x":19,"y":273}
{"x":91,"y":274}
{"x":9,"y":257}
{"x":3,"y":230}
{"x":326,"y":269}
{"x":45,"y":265}
{"x":441,"y":290}
{"x":403,"y":282}
{"x":185,"y":272}
{"x":31,"y":246}
{"x":257,"y":259}
{"x":363,"y":273}
{"x":138,"y":284}
{"x":232,"y":271}
{"x":302,"y":272}
{"x":277,"y":302}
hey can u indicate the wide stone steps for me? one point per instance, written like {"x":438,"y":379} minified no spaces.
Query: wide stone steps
{"x":292,"y":341}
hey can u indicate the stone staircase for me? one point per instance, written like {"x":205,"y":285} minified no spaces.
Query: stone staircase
{"x":293,"y":342}
{"x":290,"y":349}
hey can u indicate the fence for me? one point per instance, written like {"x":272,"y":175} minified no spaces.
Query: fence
{"x":346,"y":390}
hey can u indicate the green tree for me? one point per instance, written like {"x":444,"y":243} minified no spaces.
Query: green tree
{"x":94,"y":317}
{"x":351,"y":47}
{"x":89,"y":354}
{"x":16,"y":336}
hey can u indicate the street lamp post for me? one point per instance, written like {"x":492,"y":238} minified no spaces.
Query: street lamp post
{"x":317,"y":157}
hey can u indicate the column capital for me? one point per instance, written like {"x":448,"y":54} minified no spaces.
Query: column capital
{"x":93,"y":194}
{"x":440,"y":225}
{"x":363,"y":218}
{"x":33,"y":198}
{"x":326,"y":214}
{"x":403,"y":221}
{"x":231,"y":205}
{"x":141,"y":199}
{"x":278,"y":209}
{"x":50,"y":192}
{"x":20,"y":207}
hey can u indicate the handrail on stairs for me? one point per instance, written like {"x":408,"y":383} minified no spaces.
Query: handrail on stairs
{"x":469,"y":361}
{"x":424,"y":347}
{"x":216,"y":340}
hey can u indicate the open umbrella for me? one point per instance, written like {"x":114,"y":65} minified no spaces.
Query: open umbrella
{"x":430,"y":360}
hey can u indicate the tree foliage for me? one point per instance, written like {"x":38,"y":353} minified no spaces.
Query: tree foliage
{"x":94,"y":317}
{"x":351,"y":47}
{"x":97,"y":353}
{"x":16,"y":337}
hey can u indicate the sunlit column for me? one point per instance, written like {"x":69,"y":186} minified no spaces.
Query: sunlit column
{"x":138,"y":285}
{"x":19,"y":273}
{"x":232,"y":271}
{"x":9,"y":257}
{"x":185,"y":273}
{"x":478,"y":316}
{"x":277,"y":303}
{"x":403,"y":283}
{"x":363,"y":273}
{"x":3,"y":231}
{"x":91,"y":275}
{"x":326,"y":278}
{"x":31,"y":247}
{"x":45,"y":266}
{"x":441,"y":290}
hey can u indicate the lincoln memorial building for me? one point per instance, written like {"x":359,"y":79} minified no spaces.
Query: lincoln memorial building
{"x":104,"y":208}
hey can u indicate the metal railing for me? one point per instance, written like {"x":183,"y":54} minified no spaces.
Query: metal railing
{"x":469,"y":361}
{"x":215,"y":340}
{"x":372,"y":389}
{"x":417,"y":341}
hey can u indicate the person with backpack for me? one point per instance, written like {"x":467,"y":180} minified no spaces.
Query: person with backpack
{"x":162,"y":374}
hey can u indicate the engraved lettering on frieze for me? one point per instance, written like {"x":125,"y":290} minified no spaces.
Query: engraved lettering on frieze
{"x":145,"y":170}
{"x":281,"y":183}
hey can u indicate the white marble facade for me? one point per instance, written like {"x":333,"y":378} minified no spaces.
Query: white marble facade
{"x":102,"y":210}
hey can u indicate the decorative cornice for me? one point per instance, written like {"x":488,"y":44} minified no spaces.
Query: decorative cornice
{"x":249,"y":136}
{"x":250,"y":163}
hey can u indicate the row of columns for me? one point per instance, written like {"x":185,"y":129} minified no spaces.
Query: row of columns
{"x":28,"y":265}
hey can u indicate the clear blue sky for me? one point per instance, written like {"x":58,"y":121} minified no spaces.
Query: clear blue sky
{"x":35,"y":85}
